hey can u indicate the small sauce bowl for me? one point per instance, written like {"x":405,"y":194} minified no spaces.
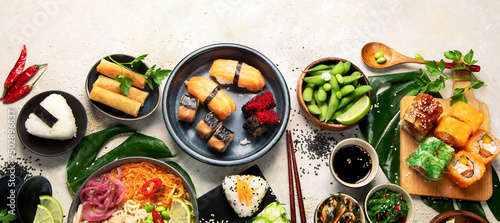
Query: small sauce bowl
{"x":354,"y":162}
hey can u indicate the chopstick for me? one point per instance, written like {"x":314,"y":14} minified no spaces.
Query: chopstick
{"x":294,"y":178}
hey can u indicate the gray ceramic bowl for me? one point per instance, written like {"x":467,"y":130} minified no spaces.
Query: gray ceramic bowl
{"x":198,"y":64}
{"x":108,"y":167}
{"x":150,"y":104}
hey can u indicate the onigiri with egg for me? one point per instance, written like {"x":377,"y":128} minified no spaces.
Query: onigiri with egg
{"x":52,"y":119}
{"x":244,"y":193}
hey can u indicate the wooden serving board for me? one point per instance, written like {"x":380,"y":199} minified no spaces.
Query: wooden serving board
{"x":413,"y":183}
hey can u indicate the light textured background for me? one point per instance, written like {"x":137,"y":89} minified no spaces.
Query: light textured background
{"x":72,"y":36}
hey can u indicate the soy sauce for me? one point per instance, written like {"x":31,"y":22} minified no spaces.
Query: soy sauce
{"x":352,"y":164}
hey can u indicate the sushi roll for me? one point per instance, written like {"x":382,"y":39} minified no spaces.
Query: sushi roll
{"x":221,"y":139}
{"x":210,"y":94}
{"x":207,"y":126}
{"x":237,"y":73}
{"x":464,"y":169}
{"x":52,"y":119}
{"x":421,"y":116}
{"x":261,"y":122}
{"x":483,"y":146}
{"x":187,"y":108}
{"x":244,"y":193}
{"x":465,"y":113}
{"x":261,"y":102}
{"x":431,"y":158}
{"x":453,"y":131}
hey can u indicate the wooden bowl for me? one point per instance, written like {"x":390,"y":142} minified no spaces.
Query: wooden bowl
{"x":313,"y":118}
{"x":459,"y":216}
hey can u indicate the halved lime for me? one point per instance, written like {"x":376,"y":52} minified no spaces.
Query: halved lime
{"x":53,"y":206}
{"x":356,"y":112}
{"x":43,"y":215}
{"x":179,"y":212}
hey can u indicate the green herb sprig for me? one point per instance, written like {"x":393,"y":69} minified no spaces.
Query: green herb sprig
{"x":6,"y":217}
{"x":152,"y":74}
{"x":423,"y":85}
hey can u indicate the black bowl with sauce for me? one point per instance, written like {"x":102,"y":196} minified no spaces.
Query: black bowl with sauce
{"x":354,"y":162}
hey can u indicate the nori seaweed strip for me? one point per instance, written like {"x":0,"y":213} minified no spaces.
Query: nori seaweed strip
{"x":223,"y":134}
{"x":211,"y":95}
{"x":189,"y":101}
{"x":237,"y":73}
{"x":45,"y":116}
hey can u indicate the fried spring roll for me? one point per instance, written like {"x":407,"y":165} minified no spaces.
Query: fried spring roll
{"x":115,"y":100}
{"x":111,"y":70}
{"x":114,"y":86}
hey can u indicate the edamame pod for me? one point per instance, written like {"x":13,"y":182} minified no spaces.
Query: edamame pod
{"x":353,"y":77}
{"x":347,"y":67}
{"x":307,"y":94}
{"x":316,"y":80}
{"x":333,"y":104}
{"x":318,"y":72}
{"x":320,"y":67}
{"x":340,"y":79}
{"x":323,"y":106}
{"x":338,"y":68}
{"x":322,"y":94}
{"x":334,"y":83}
{"x":360,"y":90}
{"x":314,"y":109}
{"x":346,"y":89}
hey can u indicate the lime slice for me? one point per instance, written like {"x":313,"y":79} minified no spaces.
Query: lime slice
{"x":53,"y":206}
{"x":179,"y":212}
{"x":43,"y":215}
{"x":356,"y":112}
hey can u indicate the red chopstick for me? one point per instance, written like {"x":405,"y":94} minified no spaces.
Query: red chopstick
{"x":295,"y":178}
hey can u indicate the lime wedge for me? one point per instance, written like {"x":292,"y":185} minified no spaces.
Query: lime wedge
{"x":43,"y":215}
{"x":179,"y":212}
{"x":53,"y":206}
{"x":356,"y":112}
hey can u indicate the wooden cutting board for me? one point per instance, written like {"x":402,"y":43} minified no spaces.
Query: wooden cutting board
{"x":413,"y":183}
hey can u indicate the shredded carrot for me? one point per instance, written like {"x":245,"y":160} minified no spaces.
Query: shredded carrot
{"x":134,"y":175}
{"x":243,"y":188}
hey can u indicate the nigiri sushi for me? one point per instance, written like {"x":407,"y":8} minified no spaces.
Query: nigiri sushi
{"x":464,"y":170}
{"x":187,"y":108}
{"x":261,"y":102}
{"x":208,"y":92}
{"x":483,"y":146}
{"x":207,"y":126}
{"x":237,"y":73}
{"x":244,"y":193}
{"x":221,"y":139}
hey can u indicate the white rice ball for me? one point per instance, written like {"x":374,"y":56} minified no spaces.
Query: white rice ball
{"x":257,"y":184}
{"x":64,"y":128}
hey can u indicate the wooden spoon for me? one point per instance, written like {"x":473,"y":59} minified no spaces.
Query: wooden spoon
{"x":394,"y":58}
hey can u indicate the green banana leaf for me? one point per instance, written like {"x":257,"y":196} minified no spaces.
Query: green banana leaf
{"x":494,"y":201}
{"x":472,"y":206}
{"x":438,"y":204}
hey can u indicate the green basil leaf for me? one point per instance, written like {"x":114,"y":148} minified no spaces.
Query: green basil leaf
{"x":438,"y":204}
{"x":494,"y":201}
{"x":472,"y":206}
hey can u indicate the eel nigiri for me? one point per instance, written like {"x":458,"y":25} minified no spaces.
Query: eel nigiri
{"x":237,"y":73}
{"x":244,"y":193}
{"x":187,"y":108}
{"x":208,"y":92}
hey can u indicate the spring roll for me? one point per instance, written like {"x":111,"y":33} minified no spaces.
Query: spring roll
{"x":114,"y":86}
{"x":111,"y":70}
{"x":115,"y":100}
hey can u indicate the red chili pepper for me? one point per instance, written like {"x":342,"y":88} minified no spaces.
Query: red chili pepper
{"x":20,"y":92}
{"x":156,"y":217}
{"x":16,"y":71}
{"x":25,"y":76}
{"x":151,"y":186}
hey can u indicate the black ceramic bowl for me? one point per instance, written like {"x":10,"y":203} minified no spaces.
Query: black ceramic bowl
{"x":108,"y":167}
{"x":198,"y":64}
{"x":51,"y":147}
{"x":150,"y":104}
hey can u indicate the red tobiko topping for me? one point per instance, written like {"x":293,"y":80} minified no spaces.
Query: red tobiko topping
{"x":263,"y":101}
{"x":267,"y":116}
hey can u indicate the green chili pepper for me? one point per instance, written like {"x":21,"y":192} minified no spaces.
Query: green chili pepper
{"x":86,"y":151}
{"x":136,"y":145}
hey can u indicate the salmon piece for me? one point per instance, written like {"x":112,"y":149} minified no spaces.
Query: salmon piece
{"x":237,"y":73}
{"x":208,"y":92}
